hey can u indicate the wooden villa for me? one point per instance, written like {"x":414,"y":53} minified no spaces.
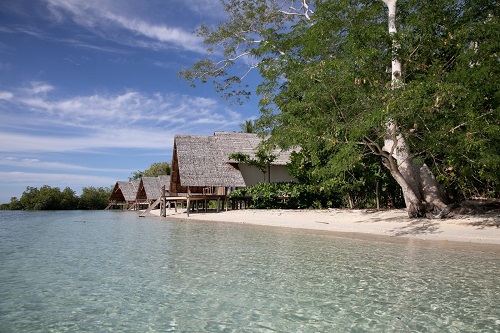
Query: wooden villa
{"x":201,"y":169}
{"x":123,"y":195}
{"x":150,"y":190}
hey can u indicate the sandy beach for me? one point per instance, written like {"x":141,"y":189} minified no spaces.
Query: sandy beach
{"x":482,"y":229}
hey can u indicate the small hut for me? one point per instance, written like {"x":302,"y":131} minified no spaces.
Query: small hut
{"x":150,"y":189}
{"x":123,"y":195}
{"x":201,"y":163}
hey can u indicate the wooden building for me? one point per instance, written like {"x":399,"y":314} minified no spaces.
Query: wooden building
{"x":123,"y":195}
{"x":201,"y":165}
{"x":150,"y":190}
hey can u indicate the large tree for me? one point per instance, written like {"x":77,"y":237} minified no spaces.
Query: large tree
{"x":156,"y":169}
{"x":422,"y":95}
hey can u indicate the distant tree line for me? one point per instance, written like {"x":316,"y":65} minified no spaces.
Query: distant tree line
{"x":52,"y":198}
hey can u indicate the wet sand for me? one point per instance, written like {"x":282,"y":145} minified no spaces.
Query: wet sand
{"x":479,"y":229}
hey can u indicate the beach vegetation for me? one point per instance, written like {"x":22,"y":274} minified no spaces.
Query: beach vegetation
{"x":263,"y":159}
{"x":294,"y":195}
{"x":375,"y":93}
{"x":94,"y":197}
{"x":52,"y":198}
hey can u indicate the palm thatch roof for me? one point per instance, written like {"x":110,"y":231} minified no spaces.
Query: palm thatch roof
{"x":124,"y":191}
{"x":150,"y":188}
{"x":203,"y":160}
{"x":246,"y":143}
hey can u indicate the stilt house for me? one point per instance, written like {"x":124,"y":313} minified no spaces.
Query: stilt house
{"x":200,"y":164}
{"x":150,"y":189}
{"x":123,"y":195}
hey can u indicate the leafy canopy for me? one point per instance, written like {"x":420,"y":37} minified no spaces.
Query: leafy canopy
{"x":156,"y":169}
{"x":325,"y":69}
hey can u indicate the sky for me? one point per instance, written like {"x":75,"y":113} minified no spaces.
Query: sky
{"x":89,"y":89}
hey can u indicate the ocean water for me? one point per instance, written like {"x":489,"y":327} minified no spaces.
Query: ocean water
{"x":105,"y":271}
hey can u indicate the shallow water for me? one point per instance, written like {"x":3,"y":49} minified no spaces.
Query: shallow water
{"x":107,"y":271}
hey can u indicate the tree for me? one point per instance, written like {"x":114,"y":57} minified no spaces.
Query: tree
{"x":262,"y":160}
{"x":334,"y":77}
{"x":68,"y":199}
{"x":28,"y":200}
{"x":13,"y":205}
{"x":94,"y":197}
{"x":248,"y":126}
{"x":156,"y":169}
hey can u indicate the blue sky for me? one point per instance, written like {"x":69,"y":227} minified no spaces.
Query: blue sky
{"x":89,"y":90}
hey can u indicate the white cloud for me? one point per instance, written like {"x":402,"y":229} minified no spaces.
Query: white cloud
{"x":130,"y":108}
{"x":102,"y":19}
{"x":34,"y":121}
{"x":211,"y":8}
{"x":35,"y":163}
{"x":36,"y":89}
{"x":125,"y":138}
{"x":54,"y":179}
{"x":6,"y":95}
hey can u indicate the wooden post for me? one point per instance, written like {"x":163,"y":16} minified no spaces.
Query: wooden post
{"x":163,"y":204}
{"x":188,"y":201}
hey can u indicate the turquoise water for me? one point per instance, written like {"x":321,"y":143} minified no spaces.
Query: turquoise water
{"x":116,"y":272}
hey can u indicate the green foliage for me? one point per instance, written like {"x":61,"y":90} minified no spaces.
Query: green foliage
{"x":286,"y":195}
{"x":52,"y":198}
{"x":263,"y":159}
{"x":326,"y":86}
{"x":291,"y":195}
{"x":248,"y":126}
{"x":45,"y":198}
{"x":94,"y":197}
{"x":156,"y":169}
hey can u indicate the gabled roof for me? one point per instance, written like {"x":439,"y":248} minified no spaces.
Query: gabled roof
{"x":246,"y":143}
{"x":125,"y":190}
{"x":150,"y":187}
{"x":203,"y":160}
{"x":164,"y":181}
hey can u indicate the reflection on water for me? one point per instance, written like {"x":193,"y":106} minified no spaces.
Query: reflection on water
{"x":116,"y":272}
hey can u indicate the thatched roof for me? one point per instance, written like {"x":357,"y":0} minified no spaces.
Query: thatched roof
{"x":150,"y":187}
{"x":246,"y":143}
{"x":164,"y":181}
{"x":124,"y":190}
{"x":203,"y":160}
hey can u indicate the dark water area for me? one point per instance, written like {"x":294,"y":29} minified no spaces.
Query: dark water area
{"x":103,"y":271}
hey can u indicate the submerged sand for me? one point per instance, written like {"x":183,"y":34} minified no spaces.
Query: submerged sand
{"x":395,"y":223}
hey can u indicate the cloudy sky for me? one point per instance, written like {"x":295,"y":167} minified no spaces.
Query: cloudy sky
{"x":89,"y":90}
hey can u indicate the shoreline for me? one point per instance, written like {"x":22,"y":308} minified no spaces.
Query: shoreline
{"x":394,"y":223}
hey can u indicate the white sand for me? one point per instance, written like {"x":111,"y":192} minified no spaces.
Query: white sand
{"x":471,"y":229}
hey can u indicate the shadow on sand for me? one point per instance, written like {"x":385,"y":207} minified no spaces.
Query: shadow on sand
{"x":413,"y":227}
{"x":418,"y":227}
{"x":486,"y":223}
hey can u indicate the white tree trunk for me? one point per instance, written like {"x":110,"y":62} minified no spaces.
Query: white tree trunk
{"x":421,"y":191}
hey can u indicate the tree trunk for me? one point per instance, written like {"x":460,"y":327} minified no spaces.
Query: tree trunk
{"x":422,"y":194}
{"x":351,"y":200}
{"x":377,"y":189}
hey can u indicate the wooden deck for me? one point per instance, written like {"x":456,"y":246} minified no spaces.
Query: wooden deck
{"x":192,"y":203}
